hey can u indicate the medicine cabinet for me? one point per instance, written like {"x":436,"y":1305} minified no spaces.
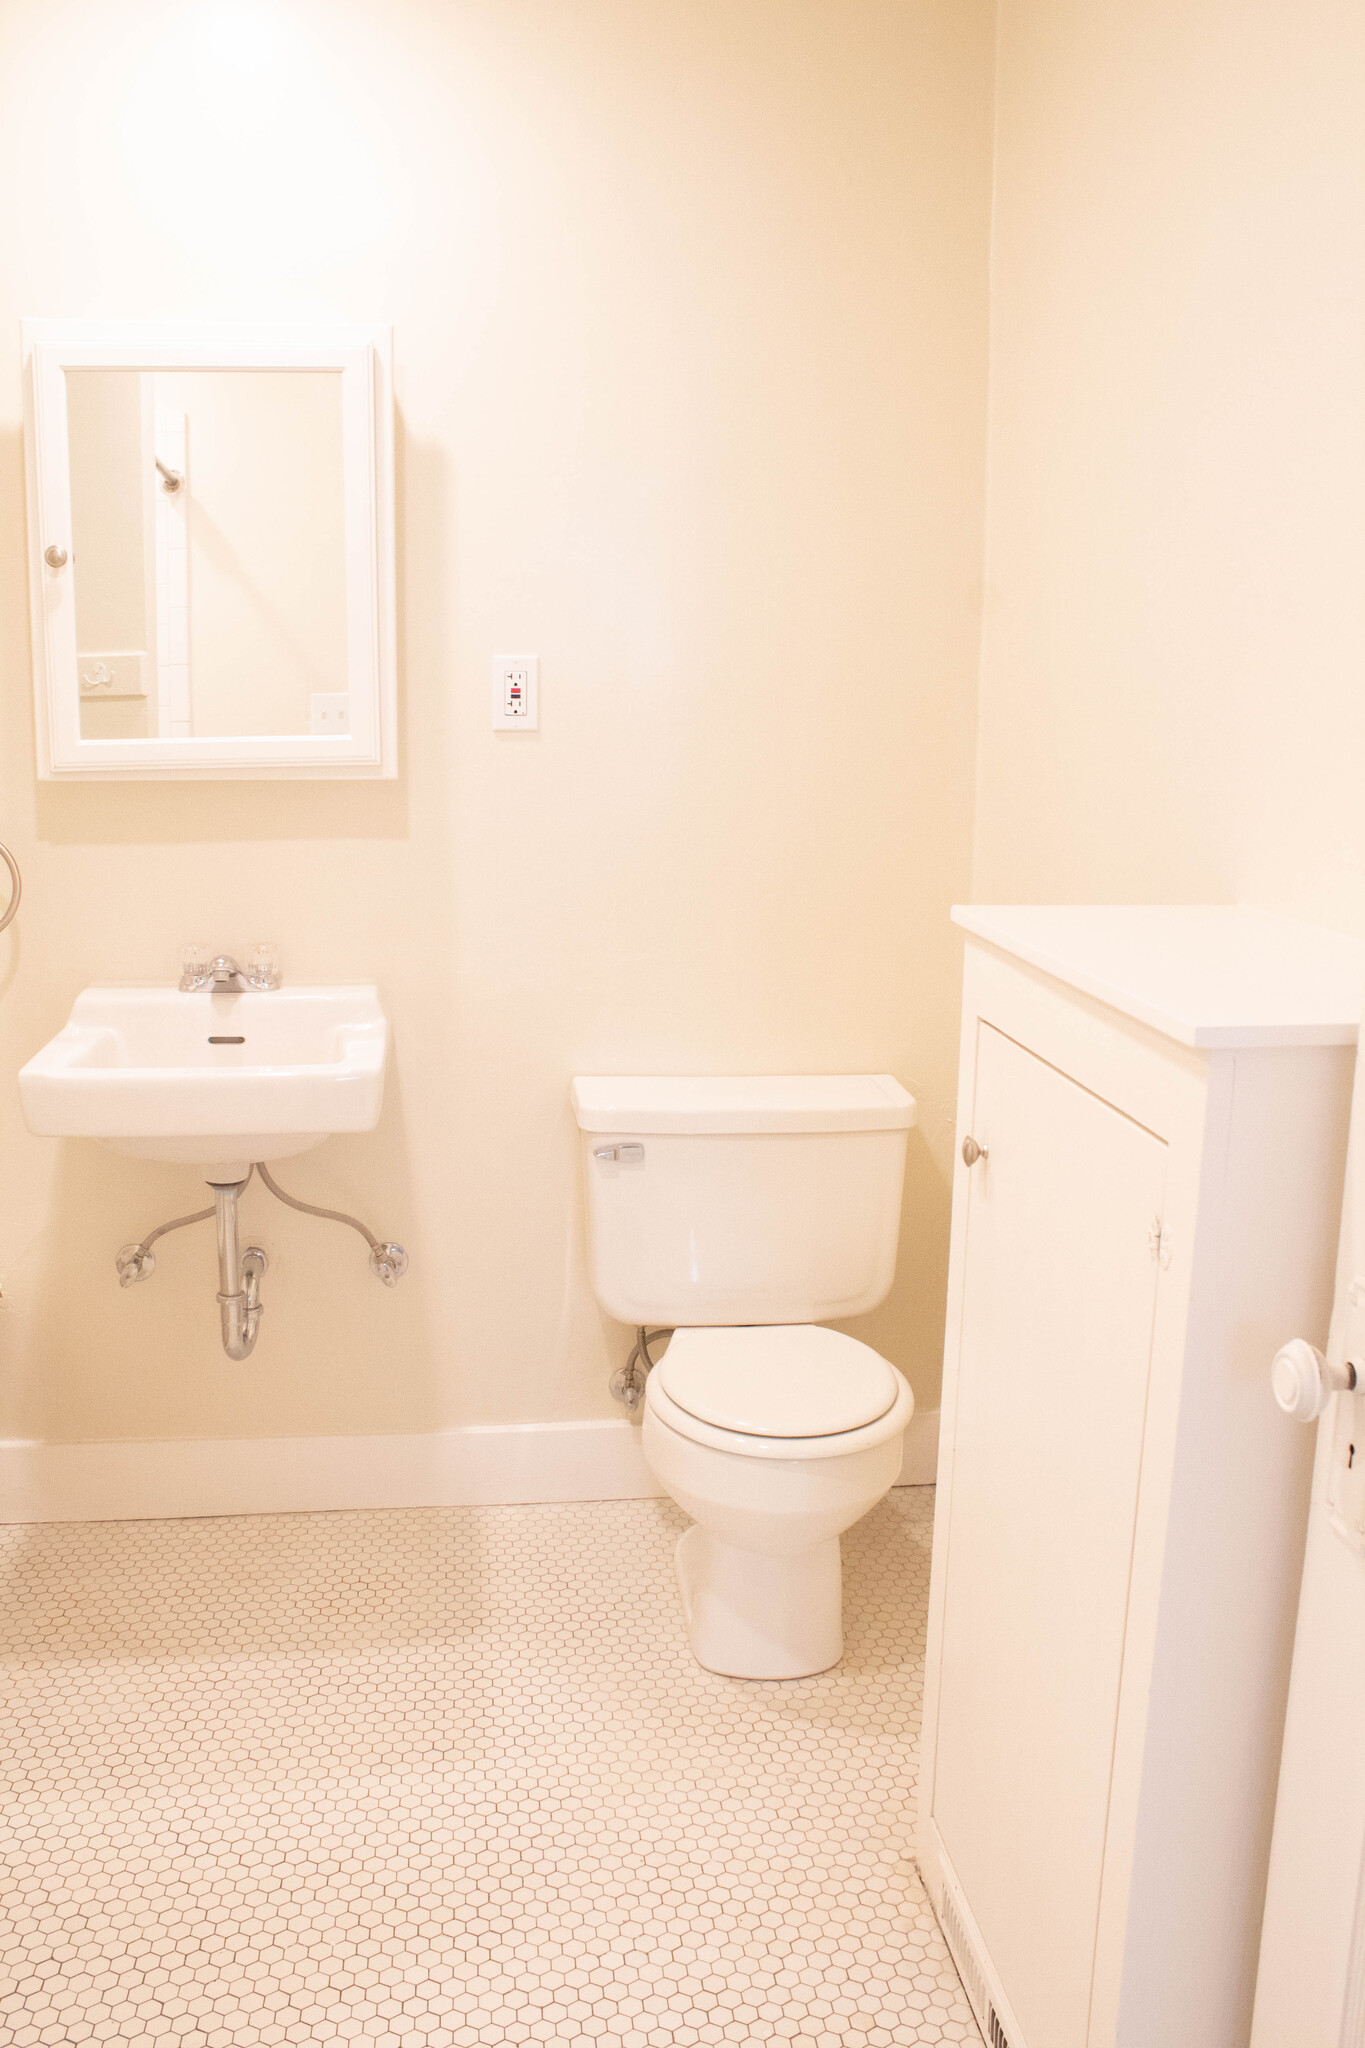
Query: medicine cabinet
{"x":211,"y":549}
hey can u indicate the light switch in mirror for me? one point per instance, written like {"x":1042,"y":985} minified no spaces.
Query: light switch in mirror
{"x":221,"y":500}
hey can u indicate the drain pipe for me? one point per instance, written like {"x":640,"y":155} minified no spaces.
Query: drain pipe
{"x":239,"y":1274}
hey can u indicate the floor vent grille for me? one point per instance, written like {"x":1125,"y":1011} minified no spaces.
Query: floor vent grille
{"x":971,"y":1973}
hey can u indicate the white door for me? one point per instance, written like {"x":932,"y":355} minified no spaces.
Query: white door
{"x":1059,"y":1296}
{"x":1310,"y":1992}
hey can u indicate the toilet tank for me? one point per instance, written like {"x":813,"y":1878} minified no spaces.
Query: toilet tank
{"x":753,"y":1199}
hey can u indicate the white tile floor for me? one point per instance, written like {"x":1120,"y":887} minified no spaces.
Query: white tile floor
{"x":451,"y":1777}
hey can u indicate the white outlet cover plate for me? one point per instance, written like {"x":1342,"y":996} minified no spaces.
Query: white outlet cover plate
{"x":329,"y":713}
{"x":516,"y":692}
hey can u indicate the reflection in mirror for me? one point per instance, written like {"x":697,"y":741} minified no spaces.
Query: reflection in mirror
{"x":208,"y":552}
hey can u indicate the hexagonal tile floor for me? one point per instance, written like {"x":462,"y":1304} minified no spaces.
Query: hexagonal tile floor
{"x":451,"y":1777}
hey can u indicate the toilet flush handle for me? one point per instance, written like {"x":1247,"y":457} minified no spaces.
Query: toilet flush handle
{"x":625,"y":1155}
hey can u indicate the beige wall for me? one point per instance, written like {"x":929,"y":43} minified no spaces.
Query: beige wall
{"x":1173,"y":673}
{"x":690,"y":314}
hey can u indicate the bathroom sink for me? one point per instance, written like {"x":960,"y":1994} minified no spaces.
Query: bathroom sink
{"x":213,"y":1080}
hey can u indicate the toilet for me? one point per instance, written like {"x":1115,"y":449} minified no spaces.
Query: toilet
{"x":743,"y":1213}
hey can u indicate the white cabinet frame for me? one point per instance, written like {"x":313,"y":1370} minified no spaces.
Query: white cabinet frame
{"x":362,"y":357}
{"x":1255,"y":1136}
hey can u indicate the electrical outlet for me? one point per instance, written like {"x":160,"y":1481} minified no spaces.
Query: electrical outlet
{"x":516,"y":692}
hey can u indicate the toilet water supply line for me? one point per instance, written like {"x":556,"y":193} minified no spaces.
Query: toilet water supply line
{"x":627,"y":1384}
{"x":239,"y":1272}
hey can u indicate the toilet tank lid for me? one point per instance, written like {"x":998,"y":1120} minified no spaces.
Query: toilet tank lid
{"x":641,"y":1104}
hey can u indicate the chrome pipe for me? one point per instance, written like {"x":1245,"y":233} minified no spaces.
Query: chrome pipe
{"x":388,"y":1261}
{"x":239,"y":1274}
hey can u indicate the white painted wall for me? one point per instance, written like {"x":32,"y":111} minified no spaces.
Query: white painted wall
{"x":691,"y":324}
{"x":1174,"y":627}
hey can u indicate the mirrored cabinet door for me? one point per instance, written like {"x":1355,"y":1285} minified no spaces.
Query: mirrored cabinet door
{"x":211,"y":532}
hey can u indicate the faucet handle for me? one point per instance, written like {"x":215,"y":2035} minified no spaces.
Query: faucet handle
{"x":194,"y":966}
{"x":263,"y":964}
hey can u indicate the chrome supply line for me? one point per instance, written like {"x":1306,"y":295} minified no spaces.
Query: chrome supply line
{"x":239,"y":1272}
{"x":134,"y":1262}
{"x":627,"y":1383}
{"x":388,"y":1262}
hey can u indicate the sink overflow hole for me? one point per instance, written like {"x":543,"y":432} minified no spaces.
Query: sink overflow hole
{"x":227,"y":1041}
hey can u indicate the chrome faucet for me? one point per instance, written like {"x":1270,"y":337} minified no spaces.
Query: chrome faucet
{"x":223,"y":976}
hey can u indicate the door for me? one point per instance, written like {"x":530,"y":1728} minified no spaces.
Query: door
{"x":1310,"y":1990}
{"x":1059,"y":1294}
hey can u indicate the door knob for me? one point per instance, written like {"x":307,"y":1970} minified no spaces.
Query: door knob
{"x":971,"y":1152}
{"x":1303,"y":1382}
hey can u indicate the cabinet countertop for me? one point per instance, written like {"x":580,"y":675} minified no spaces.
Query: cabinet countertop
{"x":1209,"y":975}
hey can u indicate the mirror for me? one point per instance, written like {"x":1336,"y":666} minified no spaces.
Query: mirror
{"x":211,"y":528}
{"x":208,"y":552}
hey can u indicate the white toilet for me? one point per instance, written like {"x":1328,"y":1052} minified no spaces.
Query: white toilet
{"x":742,"y":1213}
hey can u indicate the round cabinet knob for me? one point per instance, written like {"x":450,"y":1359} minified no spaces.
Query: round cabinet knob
{"x":55,"y":557}
{"x":971,"y":1152}
{"x":1303,"y":1382}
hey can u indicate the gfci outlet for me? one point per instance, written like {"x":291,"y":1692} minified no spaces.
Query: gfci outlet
{"x":516,"y":692}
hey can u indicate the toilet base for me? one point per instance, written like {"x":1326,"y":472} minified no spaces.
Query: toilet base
{"x":752,"y":1615}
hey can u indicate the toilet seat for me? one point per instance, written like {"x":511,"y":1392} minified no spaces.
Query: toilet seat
{"x":782,"y":1379}
{"x":788,"y":1390}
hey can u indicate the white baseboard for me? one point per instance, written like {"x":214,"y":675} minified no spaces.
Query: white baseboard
{"x":532,"y":1461}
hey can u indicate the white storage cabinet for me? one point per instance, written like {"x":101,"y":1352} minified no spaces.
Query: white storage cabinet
{"x":1161,"y":1102}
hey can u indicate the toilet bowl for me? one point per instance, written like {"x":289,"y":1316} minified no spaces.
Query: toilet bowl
{"x":775,"y":1439}
{"x":744,"y":1212}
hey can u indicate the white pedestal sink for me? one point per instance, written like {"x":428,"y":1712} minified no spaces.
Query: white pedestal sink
{"x":211,"y":1080}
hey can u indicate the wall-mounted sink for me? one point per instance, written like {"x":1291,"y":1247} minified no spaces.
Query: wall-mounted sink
{"x":213,"y":1080}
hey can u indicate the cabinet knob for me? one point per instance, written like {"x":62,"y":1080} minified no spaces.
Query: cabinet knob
{"x":1303,"y":1381}
{"x":971,"y":1152}
{"x":55,"y":557}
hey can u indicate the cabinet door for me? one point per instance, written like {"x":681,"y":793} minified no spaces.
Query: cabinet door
{"x":1059,"y":1293}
